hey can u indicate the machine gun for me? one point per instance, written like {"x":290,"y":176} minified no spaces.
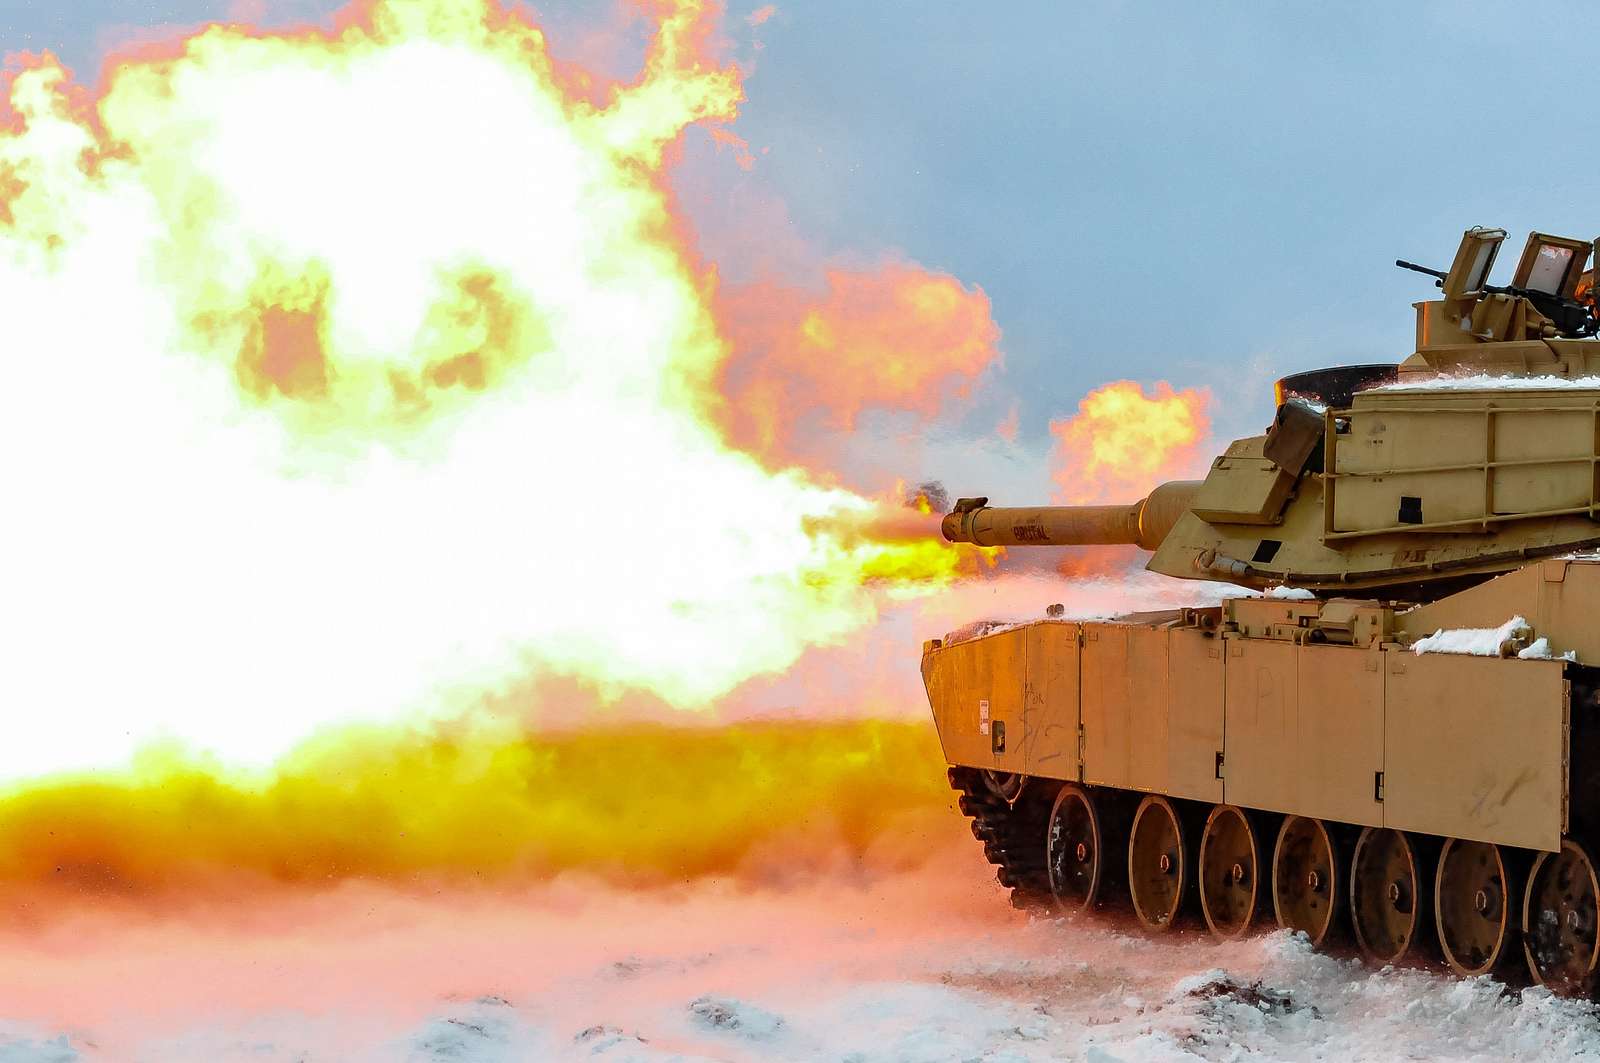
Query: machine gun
{"x":1546,"y":280}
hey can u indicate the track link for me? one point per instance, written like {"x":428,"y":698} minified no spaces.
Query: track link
{"x":1013,"y":834}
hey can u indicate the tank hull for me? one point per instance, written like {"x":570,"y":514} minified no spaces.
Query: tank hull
{"x":1323,"y":737}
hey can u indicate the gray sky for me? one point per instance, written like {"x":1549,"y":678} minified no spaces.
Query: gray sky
{"x":1208,"y":193}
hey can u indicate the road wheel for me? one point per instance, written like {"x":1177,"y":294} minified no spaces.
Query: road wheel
{"x":1305,"y":878}
{"x":1158,"y":863}
{"x":1006,"y":785}
{"x":1076,"y":850}
{"x":1388,"y":898}
{"x":1560,"y":919}
{"x":1473,"y":897}
{"x":1230,"y":875}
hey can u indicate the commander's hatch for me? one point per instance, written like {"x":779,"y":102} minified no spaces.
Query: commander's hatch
{"x":1469,"y":273}
{"x":1551,"y":265}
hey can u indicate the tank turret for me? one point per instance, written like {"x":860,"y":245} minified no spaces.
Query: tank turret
{"x":1394,"y":480}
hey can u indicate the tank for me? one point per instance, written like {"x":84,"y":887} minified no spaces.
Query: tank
{"x":1391,"y":735}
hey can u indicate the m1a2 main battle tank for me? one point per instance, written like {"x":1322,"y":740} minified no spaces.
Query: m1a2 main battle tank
{"x":1399,"y":739}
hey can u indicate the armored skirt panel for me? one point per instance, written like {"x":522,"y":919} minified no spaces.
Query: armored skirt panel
{"x":1474,"y":748}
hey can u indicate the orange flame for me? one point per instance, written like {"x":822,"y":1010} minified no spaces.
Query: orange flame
{"x":900,"y":339}
{"x":1123,"y":441}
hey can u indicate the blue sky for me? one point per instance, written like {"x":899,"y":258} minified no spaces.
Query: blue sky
{"x":1202,"y":193}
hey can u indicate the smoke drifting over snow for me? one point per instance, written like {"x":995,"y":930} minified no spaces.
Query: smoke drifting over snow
{"x":929,"y":965}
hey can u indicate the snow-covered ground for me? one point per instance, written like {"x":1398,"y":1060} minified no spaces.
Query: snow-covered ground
{"x":928,"y":965}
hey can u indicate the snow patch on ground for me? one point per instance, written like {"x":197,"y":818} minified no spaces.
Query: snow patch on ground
{"x":735,"y":1017}
{"x":902,"y":970}
{"x":17,"y":1046}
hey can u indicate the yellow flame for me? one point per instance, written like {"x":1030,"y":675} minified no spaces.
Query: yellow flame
{"x":644,"y":805}
{"x":367,"y":370}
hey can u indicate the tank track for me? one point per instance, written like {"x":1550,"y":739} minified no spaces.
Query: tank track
{"x":1501,"y":884}
{"x":1012,"y":833}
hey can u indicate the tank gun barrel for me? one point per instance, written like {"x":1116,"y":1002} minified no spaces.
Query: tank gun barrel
{"x":1144,"y":523}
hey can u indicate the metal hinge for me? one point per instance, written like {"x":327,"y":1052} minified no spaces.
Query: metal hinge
{"x":1219,"y":763}
{"x":1377,"y":786}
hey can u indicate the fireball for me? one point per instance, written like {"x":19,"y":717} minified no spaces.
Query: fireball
{"x":1124,"y":440}
{"x":362,"y":373}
